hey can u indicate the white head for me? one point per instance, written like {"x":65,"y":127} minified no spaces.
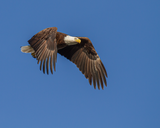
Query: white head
{"x":71,"y":40}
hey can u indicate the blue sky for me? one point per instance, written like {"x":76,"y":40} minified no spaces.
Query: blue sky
{"x":126,"y":35}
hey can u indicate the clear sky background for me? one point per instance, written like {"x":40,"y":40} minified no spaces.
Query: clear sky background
{"x":125,"y":34}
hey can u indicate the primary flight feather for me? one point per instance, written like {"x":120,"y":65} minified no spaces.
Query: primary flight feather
{"x":46,"y":43}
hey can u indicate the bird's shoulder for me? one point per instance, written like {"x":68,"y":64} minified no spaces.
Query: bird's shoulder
{"x":88,"y":46}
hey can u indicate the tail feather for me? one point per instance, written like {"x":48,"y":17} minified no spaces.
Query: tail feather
{"x":27,"y":49}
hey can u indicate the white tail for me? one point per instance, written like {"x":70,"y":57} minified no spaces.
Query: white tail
{"x":27,"y":49}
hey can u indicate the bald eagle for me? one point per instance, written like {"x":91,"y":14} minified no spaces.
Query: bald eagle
{"x":44,"y":47}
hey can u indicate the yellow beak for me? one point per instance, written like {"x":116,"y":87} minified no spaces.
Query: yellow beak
{"x":78,"y":40}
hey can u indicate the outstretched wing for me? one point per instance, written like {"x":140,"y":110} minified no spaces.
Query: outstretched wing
{"x":45,"y":46}
{"x":87,"y":60}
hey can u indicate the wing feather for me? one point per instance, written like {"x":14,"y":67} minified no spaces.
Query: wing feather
{"x":54,"y":60}
{"x":85,"y":67}
{"x":94,"y":75}
{"x":40,"y":58}
{"x":39,"y":48}
{"x":47,"y":68}
{"x":90,"y":70}
{"x":41,"y":65}
{"x":77,"y":57}
{"x":44,"y":63}
{"x":104,"y":69}
{"x":103,"y":74}
{"x":88,"y":67}
{"x":81,"y":62}
{"x":51,"y":63}
{"x":45,"y":45}
{"x":100,"y":76}
{"x":84,"y":62}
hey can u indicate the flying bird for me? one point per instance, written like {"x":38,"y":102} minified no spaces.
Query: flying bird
{"x":44,"y":47}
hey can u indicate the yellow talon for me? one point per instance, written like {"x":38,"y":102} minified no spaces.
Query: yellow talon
{"x":33,"y":54}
